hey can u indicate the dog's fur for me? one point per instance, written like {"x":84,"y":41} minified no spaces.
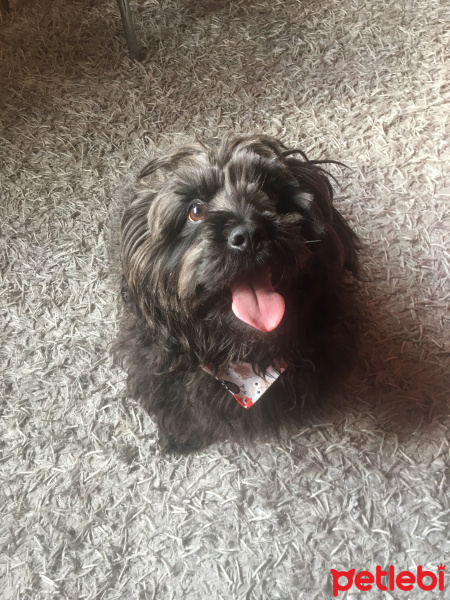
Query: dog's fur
{"x":176,"y":286}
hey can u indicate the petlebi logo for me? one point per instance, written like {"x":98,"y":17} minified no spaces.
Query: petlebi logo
{"x":389,"y":580}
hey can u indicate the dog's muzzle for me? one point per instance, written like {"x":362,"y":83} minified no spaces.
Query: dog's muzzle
{"x":247,"y":237}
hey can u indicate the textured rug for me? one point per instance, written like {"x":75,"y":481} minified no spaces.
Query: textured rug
{"x":89,"y":508}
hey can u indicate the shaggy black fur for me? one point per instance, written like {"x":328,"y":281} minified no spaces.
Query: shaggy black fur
{"x":176,"y":287}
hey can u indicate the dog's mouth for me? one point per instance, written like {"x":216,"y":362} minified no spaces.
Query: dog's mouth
{"x":255,"y":301}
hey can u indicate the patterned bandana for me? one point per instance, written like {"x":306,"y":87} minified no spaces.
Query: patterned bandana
{"x":246,"y":386}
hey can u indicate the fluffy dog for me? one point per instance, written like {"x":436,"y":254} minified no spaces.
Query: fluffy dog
{"x":237,"y":275}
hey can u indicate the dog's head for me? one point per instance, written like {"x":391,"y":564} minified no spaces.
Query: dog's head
{"x":225,"y":245}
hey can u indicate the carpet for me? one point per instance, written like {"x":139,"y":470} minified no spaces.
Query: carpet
{"x":89,"y":507}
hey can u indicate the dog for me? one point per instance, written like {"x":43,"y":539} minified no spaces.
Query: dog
{"x":238,"y":277}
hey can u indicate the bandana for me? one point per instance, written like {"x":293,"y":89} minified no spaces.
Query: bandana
{"x":246,"y":386}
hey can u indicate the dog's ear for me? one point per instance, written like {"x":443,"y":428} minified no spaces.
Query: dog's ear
{"x":313,"y":181}
{"x":317,"y":193}
{"x":172,"y":161}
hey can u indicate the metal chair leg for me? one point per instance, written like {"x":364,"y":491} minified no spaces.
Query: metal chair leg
{"x":4,"y":6}
{"x":128,"y":26}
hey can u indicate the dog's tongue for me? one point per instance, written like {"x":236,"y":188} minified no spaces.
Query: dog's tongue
{"x":256,"y":303}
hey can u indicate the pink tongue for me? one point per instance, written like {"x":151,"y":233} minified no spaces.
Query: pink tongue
{"x":256,"y":303}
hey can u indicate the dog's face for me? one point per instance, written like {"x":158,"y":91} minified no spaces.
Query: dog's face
{"x":227,"y":246}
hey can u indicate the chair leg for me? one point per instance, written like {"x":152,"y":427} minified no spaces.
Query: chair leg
{"x":4,"y":6}
{"x":128,"y":26}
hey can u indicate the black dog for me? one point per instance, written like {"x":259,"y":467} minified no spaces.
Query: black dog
{"x":237,"y":279}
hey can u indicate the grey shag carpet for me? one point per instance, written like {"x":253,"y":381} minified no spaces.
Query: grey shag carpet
{"x":89,"y":508}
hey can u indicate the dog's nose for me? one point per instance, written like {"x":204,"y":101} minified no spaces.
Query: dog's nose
{"x":246,"y":237}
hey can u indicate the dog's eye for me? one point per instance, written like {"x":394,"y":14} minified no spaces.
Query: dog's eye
{"x":196,"y":212}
